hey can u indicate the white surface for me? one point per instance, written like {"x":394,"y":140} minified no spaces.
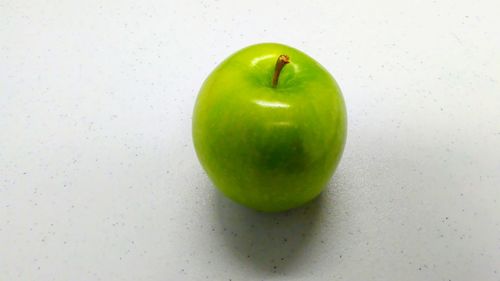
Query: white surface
{"x":99,"y":179}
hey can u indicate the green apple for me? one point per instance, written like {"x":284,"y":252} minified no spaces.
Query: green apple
{"x":269,"y":127}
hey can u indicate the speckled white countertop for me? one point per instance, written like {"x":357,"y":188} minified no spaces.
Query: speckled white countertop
{"x":99,"y":179}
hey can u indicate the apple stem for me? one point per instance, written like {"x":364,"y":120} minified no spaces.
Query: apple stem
{"x":280,"y":63}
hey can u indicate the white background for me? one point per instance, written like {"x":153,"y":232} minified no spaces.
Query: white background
{"x":99,"y":179}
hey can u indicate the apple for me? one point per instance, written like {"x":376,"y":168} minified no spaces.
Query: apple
{"x":269,"y":127}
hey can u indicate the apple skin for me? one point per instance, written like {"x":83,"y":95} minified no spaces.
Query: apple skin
{"x":271,"y":149}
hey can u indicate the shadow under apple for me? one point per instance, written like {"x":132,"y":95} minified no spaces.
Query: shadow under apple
{"x":269,"y":242}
